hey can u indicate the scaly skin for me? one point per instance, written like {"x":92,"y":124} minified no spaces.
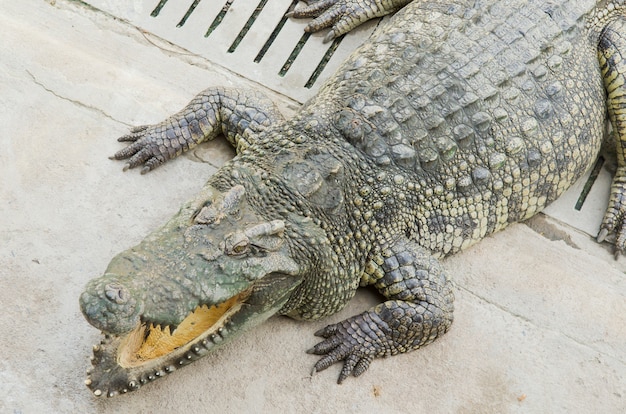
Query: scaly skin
{"x":454,"y":120}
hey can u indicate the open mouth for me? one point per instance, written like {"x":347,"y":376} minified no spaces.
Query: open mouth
{"x":125,"y":363}
{"x":149,"y":342}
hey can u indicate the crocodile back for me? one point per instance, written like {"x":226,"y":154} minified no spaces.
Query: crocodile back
{"x":497,"y":101}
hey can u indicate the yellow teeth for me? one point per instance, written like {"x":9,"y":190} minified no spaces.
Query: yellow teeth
{"x":139,"y":346}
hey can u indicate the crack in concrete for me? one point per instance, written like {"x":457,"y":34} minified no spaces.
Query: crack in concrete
{"x":73,"y":101}
{"x":531,"y":322}
{"x":497,"y":305}
{"x":195,"y":156}
{"x":137,"y":33}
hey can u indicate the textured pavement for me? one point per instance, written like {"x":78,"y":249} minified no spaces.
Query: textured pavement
{"x":540,"y":309}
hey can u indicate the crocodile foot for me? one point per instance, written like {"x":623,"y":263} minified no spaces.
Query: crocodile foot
{"x":615,"y":217}
{"x":239,"y":114}
{"x":352,"y":341}
{"x":343,"y":15}
{"x":148,"y":148}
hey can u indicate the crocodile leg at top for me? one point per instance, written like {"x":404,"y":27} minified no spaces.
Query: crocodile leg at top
{"x":238,"y":114}
{"x":418,"y":310}
{"x":344,"y":15}
{"x":612,"y":57}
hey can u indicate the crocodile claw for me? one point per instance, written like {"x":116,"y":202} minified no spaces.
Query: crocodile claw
{"x":342,"y":344}
{"x":602,"y":235}
{"x":148,"y":148}
{"x":135,"y":133}
{"x":341,"y":16}
{"x":614,"y":221}
{"x":325,"y":15}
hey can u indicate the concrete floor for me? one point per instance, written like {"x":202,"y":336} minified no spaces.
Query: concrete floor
{"x":540,"y":310}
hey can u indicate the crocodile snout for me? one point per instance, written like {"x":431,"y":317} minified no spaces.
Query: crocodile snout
{"x":116,"y":293}
{"x":109,"y":305}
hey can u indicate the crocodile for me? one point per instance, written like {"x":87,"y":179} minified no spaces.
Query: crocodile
{"x":453,"y":120}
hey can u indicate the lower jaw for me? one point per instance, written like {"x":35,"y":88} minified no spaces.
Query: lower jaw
{"x":109,"y":378}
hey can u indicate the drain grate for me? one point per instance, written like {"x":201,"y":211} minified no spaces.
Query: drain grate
{"x":252,"y":38}
{"x":584,"y":204}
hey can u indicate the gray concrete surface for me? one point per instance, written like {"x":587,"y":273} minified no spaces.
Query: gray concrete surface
{"x":541,"y":315}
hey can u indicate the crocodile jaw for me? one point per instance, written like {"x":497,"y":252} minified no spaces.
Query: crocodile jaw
{"x":123,"y":363}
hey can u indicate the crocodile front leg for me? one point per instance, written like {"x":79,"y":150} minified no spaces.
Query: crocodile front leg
{"x":344,"y":15}
{"x":612,"y":57}
{"x":238,"y":114}
{"x":419,"y":309}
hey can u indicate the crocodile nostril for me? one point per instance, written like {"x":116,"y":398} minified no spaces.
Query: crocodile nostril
{"x":116,"y":293}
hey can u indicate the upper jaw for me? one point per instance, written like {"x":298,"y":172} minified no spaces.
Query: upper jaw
{"x":117,"y":304}
{"x":113,"y":314}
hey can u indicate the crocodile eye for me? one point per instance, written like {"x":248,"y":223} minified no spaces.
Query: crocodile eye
{"x":240,"y":249}
{"x":236,"y":244}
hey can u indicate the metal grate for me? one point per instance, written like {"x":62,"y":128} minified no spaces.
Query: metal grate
{"x":250,"y":37}
{"x":254,"y":39}
{"x":584,"y":204}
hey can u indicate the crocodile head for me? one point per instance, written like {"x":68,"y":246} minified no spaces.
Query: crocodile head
{"x":213,"y":270}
